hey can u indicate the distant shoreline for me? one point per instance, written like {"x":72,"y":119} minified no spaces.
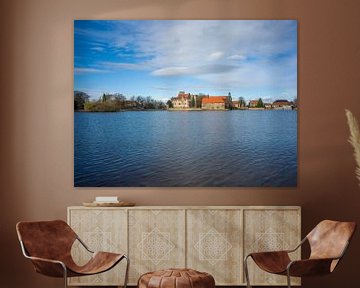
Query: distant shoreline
{"x":125,"y":110}
{"x":184,"y":110}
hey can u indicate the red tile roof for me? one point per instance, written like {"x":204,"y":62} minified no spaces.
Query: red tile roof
{"x":214,"y":99}
{"x":282,"y":103}
{"x":183,"y":95}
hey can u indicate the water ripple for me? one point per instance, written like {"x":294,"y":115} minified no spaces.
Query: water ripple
{"x":167,"y":149}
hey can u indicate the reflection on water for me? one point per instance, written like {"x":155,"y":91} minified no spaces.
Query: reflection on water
{"x":193,"y":149}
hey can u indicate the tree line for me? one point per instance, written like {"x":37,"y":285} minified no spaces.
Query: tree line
{"x":115,"y":102}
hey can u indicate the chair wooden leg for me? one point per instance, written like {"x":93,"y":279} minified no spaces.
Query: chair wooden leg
{"x":246,"y":271}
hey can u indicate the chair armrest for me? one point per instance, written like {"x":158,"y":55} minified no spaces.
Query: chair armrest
{"x":83,"y":244}
{"x":298,"y":246}
{"x":268,"y":253}
{"x":48,"y":267}
{"x":309,"y":267}
{"x":45,"y":260}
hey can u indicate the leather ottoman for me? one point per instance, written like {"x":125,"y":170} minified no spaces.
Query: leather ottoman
{"x":176,"y":278}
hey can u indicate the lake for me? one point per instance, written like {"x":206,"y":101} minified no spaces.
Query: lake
{"x":186,"y":149}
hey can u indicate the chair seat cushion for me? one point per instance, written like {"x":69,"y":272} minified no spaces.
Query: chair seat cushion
{"x":99,"y":262}
{"x":176,"y":278}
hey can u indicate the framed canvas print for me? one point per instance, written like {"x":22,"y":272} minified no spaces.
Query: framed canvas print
{"x":185,"y":103}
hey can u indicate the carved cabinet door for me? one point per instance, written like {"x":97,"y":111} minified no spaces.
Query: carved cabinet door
{"x":270,"y":230}
{"x":214,"y":244}
{"x":101,"y":230}
{"x":156,"y":240}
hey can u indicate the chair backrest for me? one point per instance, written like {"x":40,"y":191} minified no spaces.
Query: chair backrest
{"x":46,"y":239}
{"x":329,"y":239}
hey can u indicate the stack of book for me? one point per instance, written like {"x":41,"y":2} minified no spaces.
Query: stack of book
{"x":106,"y":199}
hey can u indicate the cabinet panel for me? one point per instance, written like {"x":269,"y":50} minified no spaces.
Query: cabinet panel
{"x":270,"y":230}
{"x":101,"y":230}
{"x":156,"y":240}
{"x":214,"y":242}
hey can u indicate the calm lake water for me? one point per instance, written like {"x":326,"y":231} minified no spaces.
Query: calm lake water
{"x":186,"y":149}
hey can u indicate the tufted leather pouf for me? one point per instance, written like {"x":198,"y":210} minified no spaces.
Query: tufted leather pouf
{"x":176,"y":278}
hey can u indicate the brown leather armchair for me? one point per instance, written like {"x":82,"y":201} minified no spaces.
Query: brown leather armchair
{"x":48,"y":245}
{"x":328,"y":242}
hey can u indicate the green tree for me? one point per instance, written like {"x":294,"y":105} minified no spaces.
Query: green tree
{"x":119,"y":101}
{"x":170,"y":104}
{"x":141,"y":101}
{"x":199,"y":99}
{"x":90,"y":106}
{"x":80,"y":98}
{"x":242,"y":102}
{"x":192,"y":105}
{"x":161,"y":105}
{"x":260,"y":104}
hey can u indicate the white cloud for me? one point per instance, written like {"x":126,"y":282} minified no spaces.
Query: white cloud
{"x":85,"y":70}
{"x":181,"y":43}
{"x":172,"y":71}
{"x":193,"y":70}
{"x":215,"y":56}
{"x":237,"y":57}
{"x":113,"y":36}
{"x":224,"y":54}
{"x":97,"y":48}
{"x":260,"y":77}
{"x":126,"y":66}
{"x":163,"y":88}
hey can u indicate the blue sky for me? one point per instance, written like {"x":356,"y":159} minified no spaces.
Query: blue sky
{"x":158,"y":58}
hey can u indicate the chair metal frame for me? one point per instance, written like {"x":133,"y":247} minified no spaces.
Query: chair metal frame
{"x":26,"y":255}
{"x":288,"y":276}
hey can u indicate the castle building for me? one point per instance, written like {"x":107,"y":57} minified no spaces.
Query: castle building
{"x":216,"y":103}
{"x":282,"y":105}
{"x":183,"y":100}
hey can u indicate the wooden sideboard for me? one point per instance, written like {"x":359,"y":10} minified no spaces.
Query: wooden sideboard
{"x":212,"y":239}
